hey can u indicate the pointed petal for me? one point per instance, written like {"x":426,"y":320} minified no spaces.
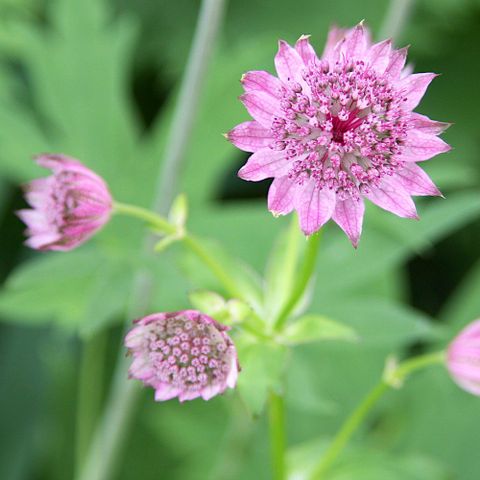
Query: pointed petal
{"x":356,"y":42}
{"x":288,"y":63}
{"x":263,"y":164}
{"x":379,"y":55}
{"x":426,"y":125}
{"x":250,"y":136}
{"x":416,"y":182}
{"x":42,"y":240}
{"x":348,"y":215}
{"x":314,"y":207}
{"x":396,"y":63}
{"x":166,"y":392}
{"x":391,"y":196}
{"x":261,"y":106}
{"x":305,"y":50}
{"x":419,"y":146}
{"x":414,"y":87}
{"x":335,"y":35}
{"x":259,"y":80}
{"x":281,"y":195}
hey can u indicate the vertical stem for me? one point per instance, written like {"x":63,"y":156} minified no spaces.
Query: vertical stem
{"x":111,"y":431}
{"x":184,"y":116}
{"x":304,"y":276}
{"x":276,"y":411}
{"x":396,"y":18}
{"x":90,"y":391}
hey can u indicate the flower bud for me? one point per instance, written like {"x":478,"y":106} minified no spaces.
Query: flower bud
{"x":183,"y":354}
{"x":463,"y":358}
{"x":68,"y":207}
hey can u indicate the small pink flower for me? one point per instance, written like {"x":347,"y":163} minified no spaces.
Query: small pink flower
{"x":334,"y":130}
{"x":463,"y":358}
{"x":182,"y":354}
{"x":68,"y":207}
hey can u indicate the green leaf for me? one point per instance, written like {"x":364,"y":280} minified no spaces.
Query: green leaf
{"x":179,"y":211}
{"x":314,"y":328}
{"x":262,"y":366}
{"x":74,"y":291}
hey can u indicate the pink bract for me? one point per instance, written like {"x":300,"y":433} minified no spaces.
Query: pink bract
{"x":334,"y":130}
{"x":463,"y":358}
{"x":183,"y":354}
{"x":68,"y":207}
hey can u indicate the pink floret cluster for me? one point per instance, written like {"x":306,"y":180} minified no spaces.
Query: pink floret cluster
{"x":183,"y":354}
{"x":334,"y":130}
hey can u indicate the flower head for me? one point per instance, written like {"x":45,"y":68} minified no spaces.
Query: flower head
{"x":68,"y":207}
{"x":463,"y":358}
{"x":182,"y":354}
{"x":333,"y":130}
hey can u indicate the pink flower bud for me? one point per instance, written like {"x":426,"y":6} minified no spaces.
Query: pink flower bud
{"x":196,"y":371}
{"x":68,"y":207}
{"x":463,"y":358}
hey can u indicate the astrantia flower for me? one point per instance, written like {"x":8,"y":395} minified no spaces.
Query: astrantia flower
{"x":68,"y":207}
{"x":334,"y":130}
{"x":182,"y":354}
{"x":463,"y":358}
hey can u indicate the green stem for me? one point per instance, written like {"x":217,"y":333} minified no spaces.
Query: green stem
{"x":276,"y":410}
{"x":90,"y":390}
{"x":303,"y":279}
{"x":146,"y":215}
{"x":191,"y":242}
{"x":351,"y":424}
{"x":112,"y":430}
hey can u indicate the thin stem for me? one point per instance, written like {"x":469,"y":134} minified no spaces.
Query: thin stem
{"x":90,"y":390}
{"x":148,"y":216}
{"x":191,"y":242}
{"x":184,"y":116}
{"x":112,"y":430}
{"x":276,"y":410}
{"x":215,"y":267}
{"x":395,"y":19}
{"x":303,"y":279}
{"x":351,"y":424}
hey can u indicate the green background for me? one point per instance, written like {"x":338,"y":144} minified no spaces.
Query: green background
{"x":98,"y":79}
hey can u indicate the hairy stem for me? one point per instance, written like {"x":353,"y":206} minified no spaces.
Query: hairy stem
{"x":351,"y":424}
{"x":112,"y":430}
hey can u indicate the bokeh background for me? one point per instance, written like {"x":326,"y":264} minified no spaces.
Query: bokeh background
{"x":97,"y":79}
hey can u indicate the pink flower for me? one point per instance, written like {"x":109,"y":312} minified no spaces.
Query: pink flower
{"x":463,"y":358}
{"x":335,"y":130}
{"x":67,"y":208}
{"x":182,"y":354}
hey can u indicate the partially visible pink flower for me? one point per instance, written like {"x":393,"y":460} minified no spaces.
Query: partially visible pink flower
{"x":463,"y":358}
{"x":183,"y":354}
{"x":334,"y":130}
{"x":68,"y":207}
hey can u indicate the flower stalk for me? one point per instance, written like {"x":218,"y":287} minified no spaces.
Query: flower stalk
{"x":276,"y":413}
{"x":111,"y":431}
{"x":393,"y":377}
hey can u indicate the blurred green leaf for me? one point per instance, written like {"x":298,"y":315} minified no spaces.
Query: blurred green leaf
{"x":314,"y":328}
{"x":72,"y":291}
{"x":262,"y":366}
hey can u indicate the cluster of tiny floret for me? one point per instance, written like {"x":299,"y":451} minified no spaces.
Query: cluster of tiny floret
{"x":186,"y":354}
{"x":342,"y":127}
